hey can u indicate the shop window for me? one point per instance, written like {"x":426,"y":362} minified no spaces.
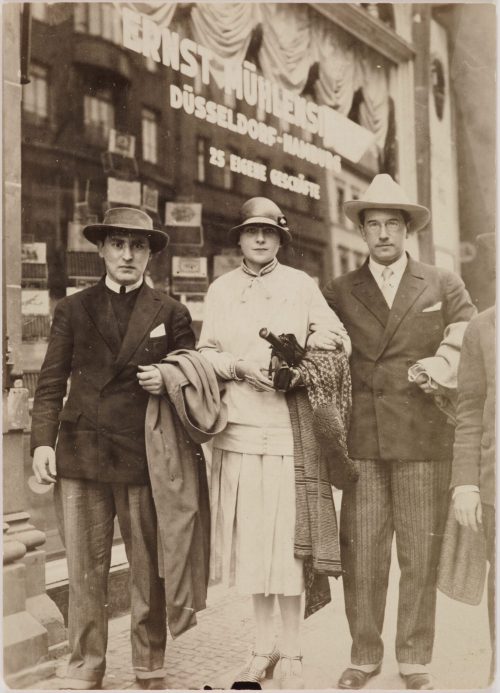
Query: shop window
{"x":201,"y":159}
{"x":39,"y":11}
{"x":36,"y":93}
{"x":150,"y":129}
{"x":98,"y":115}
{"x":98,"y":19}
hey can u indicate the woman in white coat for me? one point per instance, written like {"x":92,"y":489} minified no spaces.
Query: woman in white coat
{"x":252,"y":476}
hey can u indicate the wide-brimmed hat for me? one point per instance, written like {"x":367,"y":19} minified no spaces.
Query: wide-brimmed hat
{"x":384,"y":193}
{"x":264,"y":212}
{"x":127,"y":219}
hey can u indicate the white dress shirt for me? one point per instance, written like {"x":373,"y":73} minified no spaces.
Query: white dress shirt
{"x":397,"y":268}
{"x":114,"y":286}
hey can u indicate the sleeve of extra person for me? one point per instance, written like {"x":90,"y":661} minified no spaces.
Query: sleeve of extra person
{"x":53,"y":379}
{"x":182,"y":331}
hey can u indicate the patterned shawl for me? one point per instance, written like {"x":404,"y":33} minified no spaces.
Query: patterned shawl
{"x":327,"y":379}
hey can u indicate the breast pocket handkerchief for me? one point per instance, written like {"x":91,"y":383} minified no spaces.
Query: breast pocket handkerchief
{"x":159,"y":331}
{"x":430,"y":309}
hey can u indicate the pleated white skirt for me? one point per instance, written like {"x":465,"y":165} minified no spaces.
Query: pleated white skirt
{"x":252,"y":500}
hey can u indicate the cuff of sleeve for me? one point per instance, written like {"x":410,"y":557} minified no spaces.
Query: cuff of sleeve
{"x":465,"y":488}
{"x":232,"y":371}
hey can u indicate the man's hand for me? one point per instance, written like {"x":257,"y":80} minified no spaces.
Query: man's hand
{"x":425,"y":384}
{"x":44,"y":464}
{"x":468,"y":509}
{"x":150,"y":380}
{"x":325,"y":339}
{"x":254,"y":375}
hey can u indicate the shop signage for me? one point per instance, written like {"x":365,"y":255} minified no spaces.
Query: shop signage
{"x":254,"y":169}
{"x":34,"y":253}
{"x":183,"y":222}
{"x":76,"y":240}
{"x":189,"y":266}
{"x":121,"y":143}
{"x":149,"y":198}
{"x":35,"y":302}
{"x":225,"y":263}
{"x":124,"y":192}
{"x":181,"y":54}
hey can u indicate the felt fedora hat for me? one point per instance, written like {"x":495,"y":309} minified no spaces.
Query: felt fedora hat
{"x":264,"y":212}
{"x":384,"y":193}
{"x":127,"y":219}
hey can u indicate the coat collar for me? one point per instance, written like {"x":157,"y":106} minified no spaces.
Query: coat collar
{"x":98,"y":305}
{"x":366,"y":290}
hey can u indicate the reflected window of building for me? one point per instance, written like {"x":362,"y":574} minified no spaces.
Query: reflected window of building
{"x":340,"y":204}
{"x":229,"y":177}
{"x":98,"y":19}
{"x":201,"y":159}
{"x":344,"y":260}
{"x":39,"y":11}
{"x":98,"y":115}
{"x":359,"y":258}
{"x":229,"y":99}
{"x":150,"y":127}
{"x":151,"y":65}
{"x":36,"y":93}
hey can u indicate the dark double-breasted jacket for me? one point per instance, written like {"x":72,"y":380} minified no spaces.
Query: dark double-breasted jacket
{"x":100,"y":429}
{"x":393,"y":418}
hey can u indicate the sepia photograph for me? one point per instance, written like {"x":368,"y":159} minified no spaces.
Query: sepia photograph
{"x":249,"y":362}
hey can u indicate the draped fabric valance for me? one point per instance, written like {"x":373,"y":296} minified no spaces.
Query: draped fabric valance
{"x":286,"y":52}
{"x":226,"y":29}
{"x":294,"y":38}
{"x":340,"y":74}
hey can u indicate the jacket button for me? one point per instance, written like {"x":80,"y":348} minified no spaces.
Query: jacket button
{"x":172,"y":477}
{"x":380,"y":393}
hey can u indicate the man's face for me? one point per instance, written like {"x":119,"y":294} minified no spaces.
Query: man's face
{"x":259,"y":245}
{"x":125,"y":255}
{"x":384,"y":232}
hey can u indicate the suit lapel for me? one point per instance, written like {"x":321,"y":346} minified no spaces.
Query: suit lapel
{"x":366,"y":291}
{"x":98,"y":306}
{"x":412,"y":284}
{"x":145,"y":310}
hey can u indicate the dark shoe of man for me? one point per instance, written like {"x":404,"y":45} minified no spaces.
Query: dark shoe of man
{"x":354,"y":679}
{"x":418,"y":682}
{"x":154,"y":684}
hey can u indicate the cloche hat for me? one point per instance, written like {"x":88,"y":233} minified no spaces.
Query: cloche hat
{"x":127,"y":219}
{"x":261,"y":211}
{"x":384,"y":193}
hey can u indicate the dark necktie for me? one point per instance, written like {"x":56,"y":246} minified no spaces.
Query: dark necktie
{"x":123,"y":290}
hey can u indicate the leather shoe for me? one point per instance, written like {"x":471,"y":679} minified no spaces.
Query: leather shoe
{"x":153,"y":684}
{"x":354,"y":679}
{"x":418,"y":682}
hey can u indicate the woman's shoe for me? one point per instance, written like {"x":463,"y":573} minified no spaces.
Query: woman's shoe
{"x":290,"y":676}
{"x":259,"y":667}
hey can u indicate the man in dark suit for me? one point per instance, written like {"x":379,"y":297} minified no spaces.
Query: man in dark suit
{"x":104,"y":339}
{"x":396,"y":311}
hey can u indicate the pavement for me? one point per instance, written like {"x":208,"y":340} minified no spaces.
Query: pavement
{"x":214,"y":651}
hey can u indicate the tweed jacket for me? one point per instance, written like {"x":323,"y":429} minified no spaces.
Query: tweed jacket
{"x":474,"y":448}
{"x":391,"y":417}
{"x":100,"y":429}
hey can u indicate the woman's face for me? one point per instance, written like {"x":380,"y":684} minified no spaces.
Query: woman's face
{"x":259,"y":245}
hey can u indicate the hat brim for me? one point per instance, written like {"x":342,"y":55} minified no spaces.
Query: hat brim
{"x":158,"y":240}
{"x":234,"y":233}
{"x":419,"y":215}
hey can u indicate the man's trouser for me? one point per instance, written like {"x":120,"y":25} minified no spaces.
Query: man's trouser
{"x":87,"y":510}
{"x":410,"y":499}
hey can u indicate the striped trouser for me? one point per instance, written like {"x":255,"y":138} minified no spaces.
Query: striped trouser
{"x":408,"y":498}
